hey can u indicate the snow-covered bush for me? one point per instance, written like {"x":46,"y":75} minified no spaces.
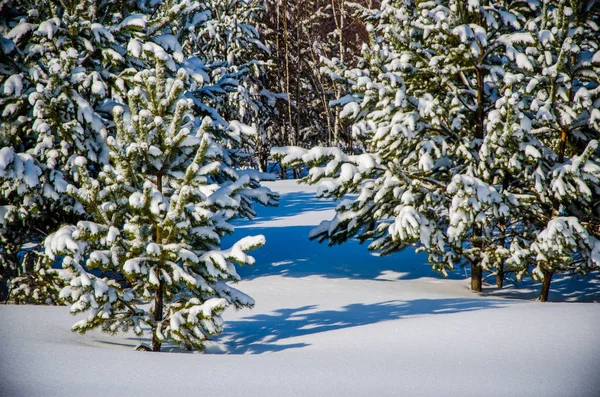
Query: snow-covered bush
{"x":157,"y":212}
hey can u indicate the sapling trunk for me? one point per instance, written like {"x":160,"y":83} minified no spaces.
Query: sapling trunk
{"x":158,"y":298}
{"x":476,"y":277}
{"x":476,"y":270}
{"x":545,"y":291}
{"x":500,"y":276}
{"x":158,"y":314}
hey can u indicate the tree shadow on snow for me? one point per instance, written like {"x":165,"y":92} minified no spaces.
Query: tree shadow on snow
{"x":290,"y":204}
{"x":267,"y":333}
{"x":289,"y":252}
{"x":564,"y":288}
{"x":263,"y":332}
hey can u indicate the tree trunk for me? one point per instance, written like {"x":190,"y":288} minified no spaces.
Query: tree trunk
{"x":158,"y":315}
{"x":476,"y":270}
{"x":339,"y":24}
{"x":500,"y":276}
{"x":286,"y":42}
{"x":299,"y":107}
{"x":8,"y":275}
{"x":158,"y":298}
{"x":263,"y":161}
{"x":563,"y":145}
{"x":282,"y":174}
{"x":546,"y":285}
{"x":476,"y":277}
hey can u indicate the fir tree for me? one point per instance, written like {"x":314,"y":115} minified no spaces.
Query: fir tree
{"x":55,"y":63}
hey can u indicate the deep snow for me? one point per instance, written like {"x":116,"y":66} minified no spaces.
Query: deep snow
{"x":329,"y":321}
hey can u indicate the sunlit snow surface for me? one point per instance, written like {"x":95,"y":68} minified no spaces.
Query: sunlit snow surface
{"x":329,"y":321}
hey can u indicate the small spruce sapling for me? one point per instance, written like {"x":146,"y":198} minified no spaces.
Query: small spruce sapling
{"x":158,"y":211}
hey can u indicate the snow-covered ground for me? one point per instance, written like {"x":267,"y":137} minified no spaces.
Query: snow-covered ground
{"x":329,"y":321}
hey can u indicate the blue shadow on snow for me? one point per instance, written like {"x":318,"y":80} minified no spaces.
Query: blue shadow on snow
{"x":261,"y":333}
{"x":289,"y":252}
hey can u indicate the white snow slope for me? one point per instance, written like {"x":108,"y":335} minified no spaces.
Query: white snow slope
{"x":329,"y":321}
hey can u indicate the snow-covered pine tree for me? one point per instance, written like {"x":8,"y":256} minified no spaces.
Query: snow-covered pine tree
{"x":157,"y":213}
{"x":420,"y":101}
{"x":559,"y":57}
{"x":232,"y":44}
{"x":54,"y":74}
{"x":63,"y":66}
{"x":509,"y":158}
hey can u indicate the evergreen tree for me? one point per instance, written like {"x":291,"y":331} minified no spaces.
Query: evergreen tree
{"x":64,"y":65}
{"x":59,"y":61}
{"x":465,"y":110}
{"x":231,"y":42}
{"x":559,"y":58}
{"x":419,"y":102}
{"x":157,"y":212}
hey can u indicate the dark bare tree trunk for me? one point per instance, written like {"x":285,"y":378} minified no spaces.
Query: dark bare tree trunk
{"x":158,"y":298}
{"x":263,"y":161}
{"x":339,"y":23}
{"x":299,"y":107}
{"x":476,"y":270}
{"x":158,"y":315}
{"x":286,"y":41}
{"x":282,"y":174}
{"x":476,"y":277}
{"x":546,"y":285}
{"x":500,"y":276}
{"x":563,"y":145}
{"x":503,"y":230}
